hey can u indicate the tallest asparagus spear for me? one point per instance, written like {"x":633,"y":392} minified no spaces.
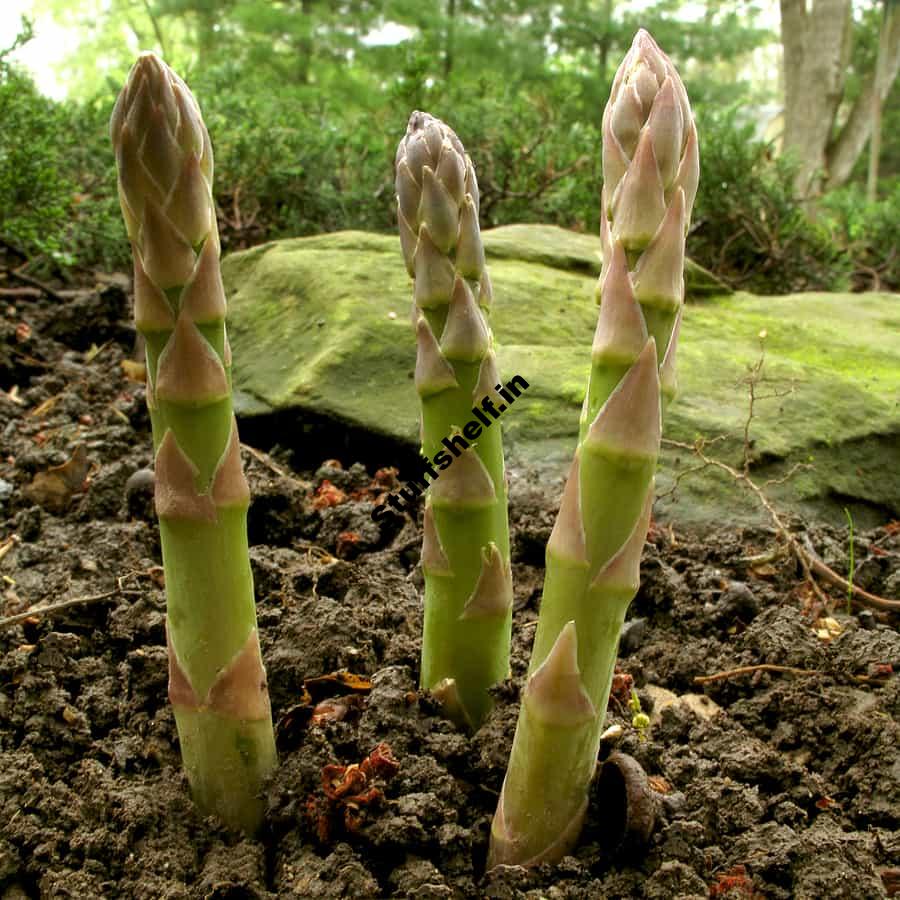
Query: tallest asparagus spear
{"x":217,"y":683}
{"x":650,"y":171}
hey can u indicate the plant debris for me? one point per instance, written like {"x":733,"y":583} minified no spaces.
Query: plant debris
{"x":349,"y":793}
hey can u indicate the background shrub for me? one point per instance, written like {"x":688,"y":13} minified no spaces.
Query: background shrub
{"x":868,"y":231}
{"x":748,"y":227}
{"x":296,"y":158}
{"x":36,"y":188}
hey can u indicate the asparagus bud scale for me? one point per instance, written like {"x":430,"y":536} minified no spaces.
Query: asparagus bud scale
{"x":465,"y":553}
{"x":217,"y":683}
{"x":650,"y":170}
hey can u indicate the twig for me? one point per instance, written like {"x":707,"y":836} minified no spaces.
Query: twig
{"x":20,"y":292}
{"x":747,"y":670}
{"x":65,"y":604}
{"x":269,"y":463}
{"x":809,"y":562}
{"x":745,"y":478}
{"x":863,"y":598}
{"x":806,"y":557}
{"x":871,"y":679}
{"x":34,"y":282}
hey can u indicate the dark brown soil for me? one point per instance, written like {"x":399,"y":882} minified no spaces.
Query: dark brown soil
{"x":778,"y":785}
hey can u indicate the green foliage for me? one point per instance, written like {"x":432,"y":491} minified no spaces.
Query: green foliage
{"x":295,"y":161}
{"x":748,"y":226}
{"x":301,"y":161}
{"x":535,"y":162}
{"x":95,"y":236}
{"x":57,"y":179}
{"x":869,"y":15}
{"x":305,"y":108}
{"x":869,"y":233}
{"x":36,"y":190}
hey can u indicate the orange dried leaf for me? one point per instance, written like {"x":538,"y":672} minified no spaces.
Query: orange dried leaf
{"x":337,"y":682}
{"x":327,"y":495}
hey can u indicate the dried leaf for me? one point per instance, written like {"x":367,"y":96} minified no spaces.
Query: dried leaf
{"x":134,"y":371}
{"x":328,"y":495}
{"x":54,"y":488}
{"x":43,"y":408}
{"x":337,"y":683}
{"x":335,"y":709}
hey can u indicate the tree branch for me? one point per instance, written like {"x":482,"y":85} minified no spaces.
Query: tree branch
{"x":843,"y":152}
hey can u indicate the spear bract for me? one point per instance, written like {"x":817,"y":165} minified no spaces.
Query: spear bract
{"x":217,"y":684}
{"x":650,"y":168}
{"x":465,"y":553}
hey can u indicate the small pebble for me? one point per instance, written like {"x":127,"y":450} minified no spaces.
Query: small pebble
{"x":673,"y":803}
{"x":739,"y":602}
{"x":139,"y":495}
{"x":866,"y":619}
{"x":633,"y":633}
{"x":612,"y":735}
{"x":29,"y":523}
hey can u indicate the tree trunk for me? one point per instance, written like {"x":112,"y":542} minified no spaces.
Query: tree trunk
{"x":304,"y":44}
{"x":861,"y":123}
{"x":606,"y":40}
{"x":450,"y":39}
{"x":874,"y":143}
{"x":816,"y":42}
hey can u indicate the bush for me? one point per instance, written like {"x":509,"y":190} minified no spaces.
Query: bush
{"x":58,"y":202}
{"x":36,"y":188}
{"x":292,"y":162}
{"x":869,"y":232}
{"x":534,"y":163}
{"x":300,"y":162}
{"x":304,"y":160}
{"x":748,"y":226}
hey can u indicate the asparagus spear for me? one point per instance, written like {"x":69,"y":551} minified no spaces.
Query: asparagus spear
{"x":465,"y":553}
{"x":650,"y":167}
{"x":217,"y":683}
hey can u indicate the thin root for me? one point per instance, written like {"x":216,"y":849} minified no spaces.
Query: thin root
{"x":747,"y":670}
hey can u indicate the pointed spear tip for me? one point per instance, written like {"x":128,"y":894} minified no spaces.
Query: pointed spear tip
{"x":493,"y":592}
{"x":620,"y":578}
{"x":628,"y":425}
{"x":567,"y":540}
{"x":555,"y":692}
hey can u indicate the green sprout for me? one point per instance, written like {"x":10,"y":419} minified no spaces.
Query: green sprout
{"x":640,"y":721}
{"x":217,"y":683}
{"x":650,"y":174}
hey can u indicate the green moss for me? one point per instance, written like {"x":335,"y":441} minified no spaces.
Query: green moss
{"x":321,"y":324}
{"x":573,"y":251}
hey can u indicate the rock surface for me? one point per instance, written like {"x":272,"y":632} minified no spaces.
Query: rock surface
{"x":320,"y":329}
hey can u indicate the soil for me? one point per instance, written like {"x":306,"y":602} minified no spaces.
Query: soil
{"x":768,"y":784}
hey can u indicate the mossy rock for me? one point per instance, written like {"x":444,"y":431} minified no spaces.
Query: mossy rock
{"x":320,"y":328}
{"x":573,"y":251}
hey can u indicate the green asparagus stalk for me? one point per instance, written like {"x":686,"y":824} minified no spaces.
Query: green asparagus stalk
{"x":650,"y":167}
{"x":217,"y":683}
{"x":465,"y":553}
